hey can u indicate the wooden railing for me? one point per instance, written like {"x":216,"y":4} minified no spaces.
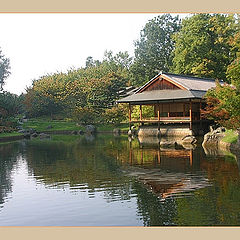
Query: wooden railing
{"x":162,"y":119}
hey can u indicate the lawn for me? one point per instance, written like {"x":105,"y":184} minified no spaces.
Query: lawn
{"x":42,"y":124}
{"x":110,"y":127}
{"x":8,"y":137}
{"x":10,"y":134}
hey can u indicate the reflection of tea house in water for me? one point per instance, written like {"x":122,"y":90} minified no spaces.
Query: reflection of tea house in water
{"x":166,"y":171}
{"x":176,"y":100}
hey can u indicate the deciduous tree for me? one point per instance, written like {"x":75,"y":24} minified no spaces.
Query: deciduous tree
{"x":233,"y":70}
{"x":203,"y":45}
{"x":223,"y":106}
{"x":4,"y":69}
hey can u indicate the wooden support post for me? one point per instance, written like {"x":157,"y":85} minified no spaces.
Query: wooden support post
{"x":168,"y":110}
{"x":130,"y":115}
{"x":191,"y":158}
{"x":200,"y":108}
{"x":190,"y":114}
{"x":140,"y":112}
{"x":158,"y":117}
{"x":159,"y":156}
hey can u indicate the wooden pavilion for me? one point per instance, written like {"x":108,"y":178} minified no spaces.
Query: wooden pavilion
{"x":176,"y":99}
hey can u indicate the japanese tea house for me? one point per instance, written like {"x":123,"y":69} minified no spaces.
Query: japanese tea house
{"x":177,"y":99}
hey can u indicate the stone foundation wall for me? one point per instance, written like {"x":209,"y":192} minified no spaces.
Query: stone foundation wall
{"x":165,"y":131}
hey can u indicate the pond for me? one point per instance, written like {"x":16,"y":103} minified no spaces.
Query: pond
{"x":116,"y":181}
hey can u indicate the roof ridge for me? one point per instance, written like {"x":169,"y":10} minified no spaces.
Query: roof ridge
{"x":190,"y":76}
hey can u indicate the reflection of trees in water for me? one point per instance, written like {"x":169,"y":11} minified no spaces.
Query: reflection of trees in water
{"x":153,"y":211}
{"x":214,"y":205}
{"x":101,"y":165}
{"x":80,"y":165}
{"x":98,"y":166}
{"x":217,"y":204}
{"x":210,"y":207}
{"x":8,"y":158}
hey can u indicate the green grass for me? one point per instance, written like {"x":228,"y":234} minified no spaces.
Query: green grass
{"x":42,"y":124}
{"x":230,"y":137}
{"x":10,"y":134}
{"x":110,"y":127}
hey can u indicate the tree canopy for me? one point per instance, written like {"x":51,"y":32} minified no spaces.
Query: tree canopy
{"x":85,"y":94}
{"x":153,"y":51}
{"x":233,"y":70}
{"x":223,"y":102}
{"x":4,"y":69}
{"x":203,"y":45}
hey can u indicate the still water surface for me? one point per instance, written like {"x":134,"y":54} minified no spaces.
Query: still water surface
{"x":111,"y":181}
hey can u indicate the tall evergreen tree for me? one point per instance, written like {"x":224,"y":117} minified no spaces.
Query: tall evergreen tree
{"x":153,"y":51}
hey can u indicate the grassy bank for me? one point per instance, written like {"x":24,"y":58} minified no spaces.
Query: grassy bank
{"x":12,"y":134}
{"x":109,"y":127}
{"x":57,"y":125}
{"x":41,"y":125}
{"x":9,"y":137}
{"x":230,"y":137}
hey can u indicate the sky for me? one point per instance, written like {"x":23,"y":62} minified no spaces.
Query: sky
{"x":39,"y":44}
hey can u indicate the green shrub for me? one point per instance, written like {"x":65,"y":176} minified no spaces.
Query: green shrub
{"x":116,"y":114}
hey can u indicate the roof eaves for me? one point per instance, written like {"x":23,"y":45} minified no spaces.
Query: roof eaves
{"x":198,"y":93}
{"x":191,"y":94}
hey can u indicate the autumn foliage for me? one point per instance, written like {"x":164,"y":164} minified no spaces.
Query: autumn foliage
{"x":87,"y":95}
{"x":223,"y":106}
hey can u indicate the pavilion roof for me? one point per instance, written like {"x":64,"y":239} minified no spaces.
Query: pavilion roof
{"x":187,"y":82}
{"x":162,"y":95}
{"x":190,"y":88}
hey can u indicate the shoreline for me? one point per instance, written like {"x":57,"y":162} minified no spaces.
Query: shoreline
{"x":55,"y":132}
{"x":232,"y":147}
{"x":11,"y":138}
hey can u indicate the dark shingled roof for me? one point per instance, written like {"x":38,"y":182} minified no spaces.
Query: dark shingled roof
{"x":193,"y":83}
{"x":188,"y":82}
{"x":195,"y":88}
{"x":162,"y":95}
